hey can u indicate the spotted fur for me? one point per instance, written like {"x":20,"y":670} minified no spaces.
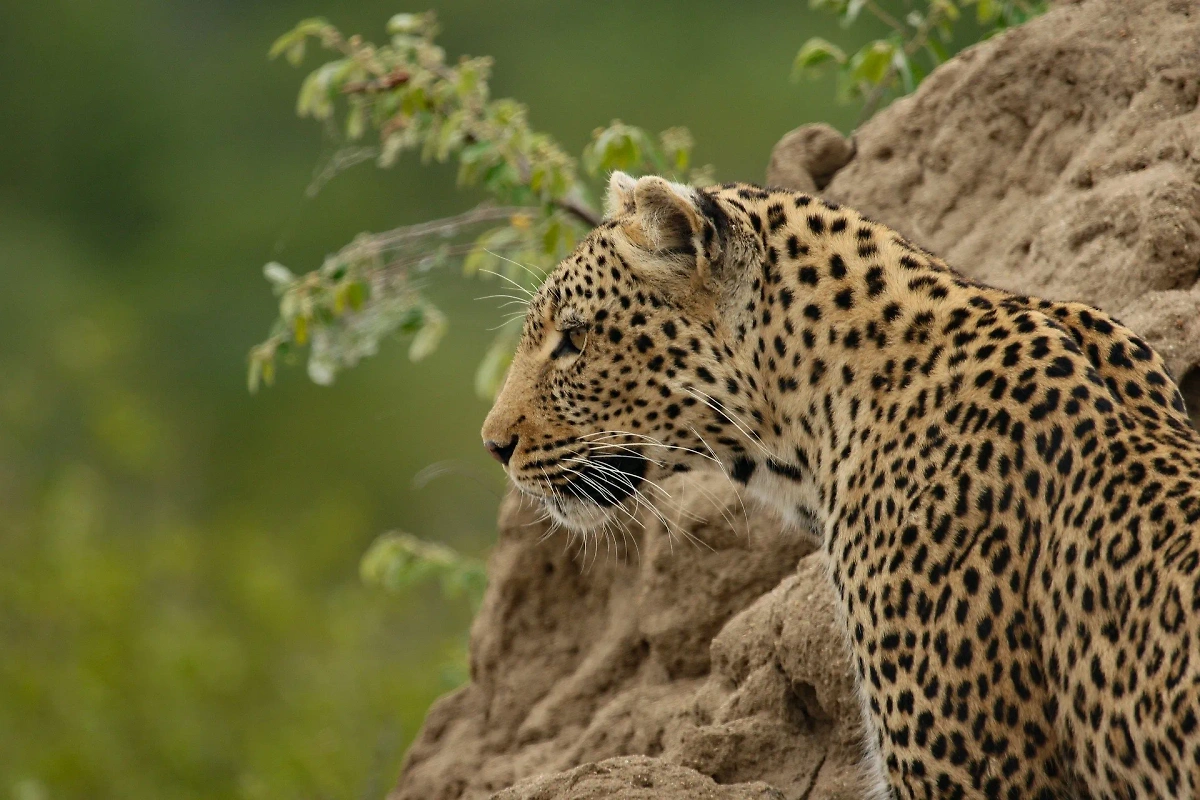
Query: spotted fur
{"x":1006,"y":487}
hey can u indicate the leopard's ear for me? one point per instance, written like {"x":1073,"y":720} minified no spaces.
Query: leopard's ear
{"x":670,"y":216}
{"x":682,"y":233}
{"x":620,"y":195}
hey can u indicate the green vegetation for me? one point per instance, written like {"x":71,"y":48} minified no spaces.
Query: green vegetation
{"x":409,"y":94}
{"x":184,"y":613}
{"x":398,"y":561}
{"x":921,"y":36}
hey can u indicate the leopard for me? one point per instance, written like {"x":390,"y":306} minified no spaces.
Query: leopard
{"x":1004,"y":487}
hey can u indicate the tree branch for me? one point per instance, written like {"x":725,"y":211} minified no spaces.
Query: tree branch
{"x":579,"y":210}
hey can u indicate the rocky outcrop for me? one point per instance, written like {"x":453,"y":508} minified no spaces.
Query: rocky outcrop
{"x":703,"y":637}
{"x":699,"y":654}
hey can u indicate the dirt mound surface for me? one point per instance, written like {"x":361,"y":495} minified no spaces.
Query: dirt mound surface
{"x":720,"y":657}
{"x":1061,"y":159}
{"x":635,"y":778}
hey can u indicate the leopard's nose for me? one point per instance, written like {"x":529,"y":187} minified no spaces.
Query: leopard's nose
{"x":501,"y":452}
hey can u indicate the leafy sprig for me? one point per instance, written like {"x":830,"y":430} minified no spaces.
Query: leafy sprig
{"x":400,"y":562}
{"x":919,"y":41}
{"x":414,"y":100}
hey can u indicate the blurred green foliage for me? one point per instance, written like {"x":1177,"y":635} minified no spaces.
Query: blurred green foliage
{"x":921,"y":36}
{"x":400,"y":561}
{"x":183,"y":612}
{"x":407,"y":93}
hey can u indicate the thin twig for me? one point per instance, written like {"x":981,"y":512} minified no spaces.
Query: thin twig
{"x":376,"y":85}
{"x":339,"y":162}
{"x":914,"y":44}
{"x":449,"y":226}
{"x":886,"y":18}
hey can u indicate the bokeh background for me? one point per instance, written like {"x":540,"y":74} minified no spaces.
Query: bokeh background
{"x":180,"y":609}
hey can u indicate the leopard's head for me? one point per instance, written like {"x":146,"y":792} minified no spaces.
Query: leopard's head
{"x":628,"y":367}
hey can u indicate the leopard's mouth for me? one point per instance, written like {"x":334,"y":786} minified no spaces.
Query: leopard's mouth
{"x":607,"y":479}
{"x":596,"y":487}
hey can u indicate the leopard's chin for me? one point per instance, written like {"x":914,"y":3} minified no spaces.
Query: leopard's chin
{"x":578,"y":515}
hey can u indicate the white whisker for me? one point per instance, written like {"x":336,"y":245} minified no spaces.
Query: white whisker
{"x":510,"y":280}
{"x":650,"y":441}
{"x":627,"y":449}
{"x":729,"y":415}
{"x":610,"y":472}
{"x":724,"y":473}
{"x":539,"y":276}
{"x":522,"y":300}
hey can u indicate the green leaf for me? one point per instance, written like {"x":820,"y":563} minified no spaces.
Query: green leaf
{"x":500,"y":178}
{"x":904,"y":70}
{"x":467,"y":80}
{"x":815,"y":53}
{"x":476,"y":260}
{"x":476,"y":153}
{"x":870,"y":64}
{"x":853,"y":8}
{"x":676,"y":145}
{"x":254,"y":378}
{"x":319,"y":90}
{"x":619,"y":146}
{"x":356,"y":121}
{"x":295,"y":53}
{"x":450,"y":135}
{"x":282,"y":44}
{"x":393,"y":145}
{"x":356,"y":295}
{"x":938,"y":50}
{"x":947,"y":8}
{"x":469,"y":580}
{"x":406,"y":24}
{"x":986,"y":11}
{"x":429,"y":336}
{"x":291,"y":43}
{"x":279,"y":275}
{"x":489,"y":375}
{"x":411,"y":319}
{"x":558,"y":239}
{"x":300,"y":329}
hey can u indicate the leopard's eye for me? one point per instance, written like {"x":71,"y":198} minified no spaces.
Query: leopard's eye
{"x":572,"y":342}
